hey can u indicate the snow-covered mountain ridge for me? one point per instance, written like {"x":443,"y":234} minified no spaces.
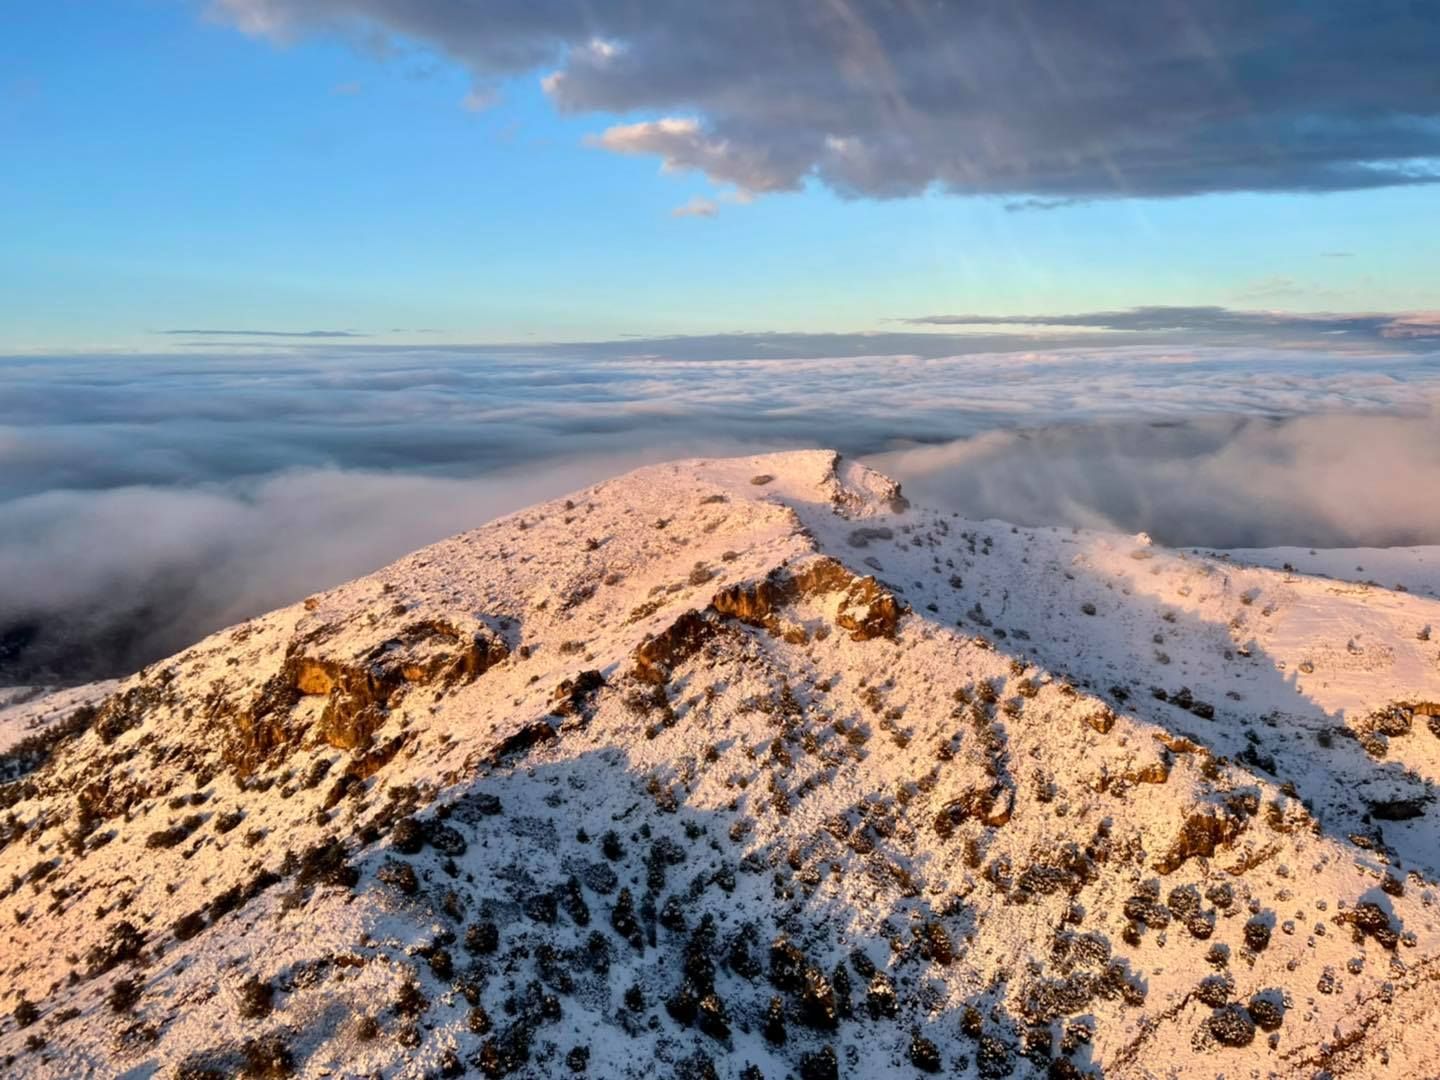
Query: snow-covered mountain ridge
{"x":742,"y":765}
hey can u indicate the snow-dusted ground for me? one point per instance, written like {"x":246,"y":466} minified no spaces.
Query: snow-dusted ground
{"x":26,"y":711}
{"x":1412,"y":569}
{"x":745,"y":764}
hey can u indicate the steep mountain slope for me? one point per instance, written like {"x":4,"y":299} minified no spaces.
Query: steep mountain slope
{"x":743,"y":768}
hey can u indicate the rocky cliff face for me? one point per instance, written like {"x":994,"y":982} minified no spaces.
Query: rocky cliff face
{"x":743,"y":768}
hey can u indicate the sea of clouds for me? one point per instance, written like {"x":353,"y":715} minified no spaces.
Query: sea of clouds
{"x":148,"y":500}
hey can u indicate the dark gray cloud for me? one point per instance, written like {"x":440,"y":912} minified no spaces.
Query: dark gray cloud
{"x":1212,"y":322}
{"x":1045,"y":99}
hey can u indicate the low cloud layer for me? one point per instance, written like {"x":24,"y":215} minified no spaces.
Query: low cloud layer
{"x":147,"y":500}
{"x":100,"y":583}
{"x":1050,"y":102}
{"x":1332,"y":480}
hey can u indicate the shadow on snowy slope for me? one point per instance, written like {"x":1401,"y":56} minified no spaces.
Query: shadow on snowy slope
{"x":1370,"y":804}
{"x":1338,"y":770}
{"x":572,"y":913}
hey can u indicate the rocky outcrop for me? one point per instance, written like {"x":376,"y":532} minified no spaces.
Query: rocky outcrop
{"x":990,"y":804}
{"x":863,"y":608}
{"x":359,"y":692}
{"x":1205,"y":830}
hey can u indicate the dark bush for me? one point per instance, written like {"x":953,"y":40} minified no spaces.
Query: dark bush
{"x":623,"y":920}
{"x":787,"y":965}
{"x":1215,"y":990}
{"x":399,"y":876}
{"x":267,"y":1058}
{"x":25,"y":1013}
{"x":257,"y":998}
{"x":1257,"y":934}
{"x":482,"y":937}
{"x":924,"y":1054}
{"x":409,"y":1001}
{"x":1267,"y":1010}
{"x":187,"y":926}
{"x":1231,"y":1026}
{"x":541,"y":907}
{"x":407,"y":837}
{"x":880,"y":996}
{"x":123,"y":944}
{"x":123,"y":996}
{"x":820,"y":1065}
{"x":774,"y":1029}
{"x":441,"y":963}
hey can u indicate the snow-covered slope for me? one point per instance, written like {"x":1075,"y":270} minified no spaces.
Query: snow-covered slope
{"x":744,"y":768}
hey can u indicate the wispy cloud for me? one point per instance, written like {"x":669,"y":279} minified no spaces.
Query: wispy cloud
{"x":480,"y":98}
{"x":1017,"y":206}
{"x":266,"y":333}
{"x":1278,"y":287}
{"x":699,"y":206}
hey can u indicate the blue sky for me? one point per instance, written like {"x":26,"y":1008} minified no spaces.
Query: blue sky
{"x":163,"y":169}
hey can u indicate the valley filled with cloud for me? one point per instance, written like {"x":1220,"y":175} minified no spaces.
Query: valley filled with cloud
{"x":151,"y":499}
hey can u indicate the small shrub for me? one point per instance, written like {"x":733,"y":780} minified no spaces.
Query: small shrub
{"x":257,"y":998}
{"x":267,"y":1058}
{"x":26,"y":1013}
{"x":123,"y":996}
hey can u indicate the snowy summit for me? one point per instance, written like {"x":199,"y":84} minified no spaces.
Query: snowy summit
{"x":748,"y":768}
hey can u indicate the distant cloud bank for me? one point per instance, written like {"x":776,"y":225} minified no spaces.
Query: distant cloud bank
{"x":1214,"y":322}
{"x":1327,"y":480}
{"x":146,"y":500}
{"x":1042,"y":103}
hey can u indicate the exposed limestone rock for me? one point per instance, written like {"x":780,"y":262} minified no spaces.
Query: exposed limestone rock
{"x":1398,"y":718}
{"x":521,"y":740}
{"x":1152,"y":772}
{"x":658,"y":654}
{"x":755,"y":603}
{"x":359,"y":692}
{"x":1396,"y":809}
{"x":1177,"y":744}
{"x":1204,"y":831}
{"x":864,"y":609}
{"x":575,"y":697}
{"x":989,"y":804}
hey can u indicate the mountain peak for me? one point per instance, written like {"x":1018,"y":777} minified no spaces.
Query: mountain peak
{"x":742,"y":764}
